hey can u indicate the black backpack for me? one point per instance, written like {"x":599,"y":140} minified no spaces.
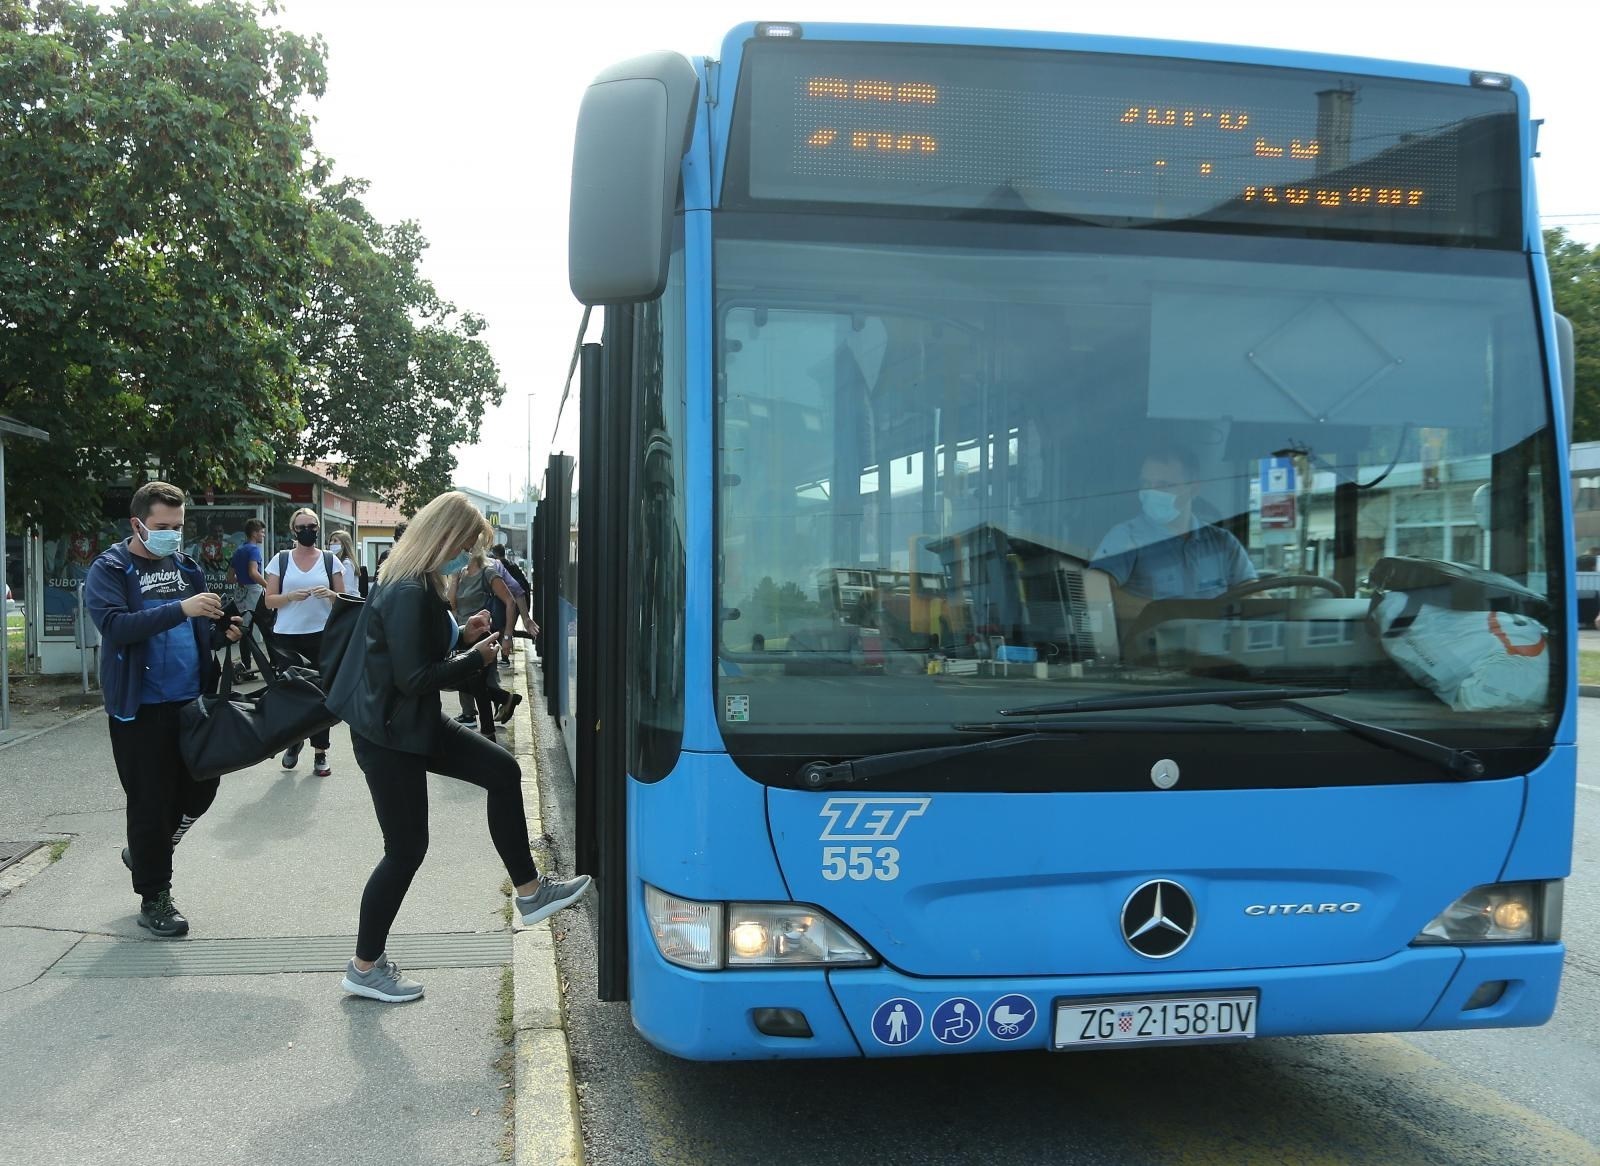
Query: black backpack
{"x":516,"y":573}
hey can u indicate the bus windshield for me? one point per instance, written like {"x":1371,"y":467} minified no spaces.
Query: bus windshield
{"x":1024,"y":462}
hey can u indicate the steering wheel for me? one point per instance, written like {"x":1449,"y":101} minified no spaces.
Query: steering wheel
{"x":1275,"y":582}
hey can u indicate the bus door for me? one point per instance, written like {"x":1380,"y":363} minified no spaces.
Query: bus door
{"x":600,"y":770}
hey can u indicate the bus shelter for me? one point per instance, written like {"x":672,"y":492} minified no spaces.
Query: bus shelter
{"x":9,"y":427}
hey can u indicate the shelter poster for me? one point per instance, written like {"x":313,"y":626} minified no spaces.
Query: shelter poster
{"x":210,"y":536}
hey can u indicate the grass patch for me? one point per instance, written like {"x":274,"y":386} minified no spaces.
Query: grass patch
{"x":506,"y":1063}
{"x":57,"y":849}
{"x":1589,"y":667}
{"x":502,"y":1022}
{"x":16,"y":647}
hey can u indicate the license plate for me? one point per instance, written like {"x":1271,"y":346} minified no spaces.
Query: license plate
{"x":1102,"y":1021}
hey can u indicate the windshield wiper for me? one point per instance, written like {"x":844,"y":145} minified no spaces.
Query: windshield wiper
{"x":817,"y":775}
{"x":1170,"y":700}
{"x":1457,"y":762}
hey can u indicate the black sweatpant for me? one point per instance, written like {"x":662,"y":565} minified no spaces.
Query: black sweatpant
{"x":159,"y":789}
{"x":399,"y":786}
{"x":309,"y":645}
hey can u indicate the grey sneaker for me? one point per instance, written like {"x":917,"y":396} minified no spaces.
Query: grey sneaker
{"x":382,"y":981}
{"x":551,"y":896}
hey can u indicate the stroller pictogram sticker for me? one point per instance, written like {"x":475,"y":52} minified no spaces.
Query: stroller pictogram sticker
{"x":1012,"y":1017}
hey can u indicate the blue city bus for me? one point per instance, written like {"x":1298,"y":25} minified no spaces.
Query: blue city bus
{"x":1073,"y":551}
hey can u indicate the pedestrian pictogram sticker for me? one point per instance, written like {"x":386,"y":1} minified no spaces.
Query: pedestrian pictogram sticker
{"x":955,"y":1021}
{"x":1011,"y":1017}
{"x":897,"y":1022}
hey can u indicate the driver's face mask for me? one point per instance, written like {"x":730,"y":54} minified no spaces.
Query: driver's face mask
{"x":1159,"y":505}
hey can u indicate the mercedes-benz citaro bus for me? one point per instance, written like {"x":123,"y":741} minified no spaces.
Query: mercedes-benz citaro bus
{"x":1073,"y":548}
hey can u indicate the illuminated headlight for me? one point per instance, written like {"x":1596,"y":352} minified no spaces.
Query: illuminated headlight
{"x":789,"y":935}
{"x":1500,"y":913}
{"x":709,"y":936}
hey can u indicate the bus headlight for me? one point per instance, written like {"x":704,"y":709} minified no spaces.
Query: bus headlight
{"x":687,"y":933}
{"x":710,"y":936}
{"x":789,"y":935}
{"x":1500,"y":913}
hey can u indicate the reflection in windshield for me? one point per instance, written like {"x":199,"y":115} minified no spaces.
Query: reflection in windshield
{"x":947,"y":469}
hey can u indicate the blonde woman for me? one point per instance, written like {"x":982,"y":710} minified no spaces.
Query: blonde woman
{"x":388,"y":693}
{"x":343,"y":548}
{"x":301,"y":585}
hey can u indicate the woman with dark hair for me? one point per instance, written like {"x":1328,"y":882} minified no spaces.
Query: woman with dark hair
{"x":523,"y":597}
{"x":387,"y":691}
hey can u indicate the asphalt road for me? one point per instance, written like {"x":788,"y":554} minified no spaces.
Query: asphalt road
{"x":1495,"y":1098}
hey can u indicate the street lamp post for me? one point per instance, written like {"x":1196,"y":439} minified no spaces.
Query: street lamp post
{"x":527,"y":489}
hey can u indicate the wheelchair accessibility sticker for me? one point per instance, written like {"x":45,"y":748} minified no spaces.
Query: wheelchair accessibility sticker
{"x":955,"y":1021}
{"x":1011,"y":1017}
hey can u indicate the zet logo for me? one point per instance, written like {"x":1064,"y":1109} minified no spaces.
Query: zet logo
{"x":869,"y":819}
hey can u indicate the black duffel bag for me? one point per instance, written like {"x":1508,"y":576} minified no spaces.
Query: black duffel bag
{"x":225,"y":731}
{"x":346,"y":622}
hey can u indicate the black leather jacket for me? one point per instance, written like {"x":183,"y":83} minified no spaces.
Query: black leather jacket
{"x":388,"y":692}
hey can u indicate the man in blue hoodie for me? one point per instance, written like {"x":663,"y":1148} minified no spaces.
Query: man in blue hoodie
{"x":155,"y":616}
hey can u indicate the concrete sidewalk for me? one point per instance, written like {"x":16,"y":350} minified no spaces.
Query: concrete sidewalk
{"x":236,"y":1044}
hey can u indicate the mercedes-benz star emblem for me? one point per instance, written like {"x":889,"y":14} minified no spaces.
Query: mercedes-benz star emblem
{"x":1158,"y":919}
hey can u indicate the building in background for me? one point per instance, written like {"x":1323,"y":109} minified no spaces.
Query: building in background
{"x":374,"y":531}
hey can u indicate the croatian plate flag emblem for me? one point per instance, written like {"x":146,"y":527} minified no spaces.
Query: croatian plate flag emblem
{"x":1125,"y":1020}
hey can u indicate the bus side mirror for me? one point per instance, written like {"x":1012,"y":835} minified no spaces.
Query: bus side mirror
{"x":633,"y":130}
{"x":1567,"y":363}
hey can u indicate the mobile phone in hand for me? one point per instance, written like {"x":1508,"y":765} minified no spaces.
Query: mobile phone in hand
{"x":230,"y":611}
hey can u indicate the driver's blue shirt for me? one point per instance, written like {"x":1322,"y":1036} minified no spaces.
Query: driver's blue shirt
{"x":1147,"y":559}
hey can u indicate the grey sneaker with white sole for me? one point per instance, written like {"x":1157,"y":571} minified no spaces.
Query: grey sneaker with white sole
{"x":550,"y":896}
{"x":382,"y":981}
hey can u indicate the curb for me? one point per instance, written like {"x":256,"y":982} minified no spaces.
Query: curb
{"x":19,"y":736}
{"x":547,"y":1132}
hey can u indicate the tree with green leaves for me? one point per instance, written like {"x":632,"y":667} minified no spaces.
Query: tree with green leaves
{"x":391,"y":375}
{"x":1575,"y":283}
{"x":154,"y":236}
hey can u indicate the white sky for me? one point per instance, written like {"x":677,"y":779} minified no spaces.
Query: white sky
{"x":461,"y":116}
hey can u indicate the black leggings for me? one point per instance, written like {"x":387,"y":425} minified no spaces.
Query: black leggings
{"x":399,"y":785}
{"x":309,"y":645}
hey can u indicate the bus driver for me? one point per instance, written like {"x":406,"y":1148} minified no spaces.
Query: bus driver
{"x":1165,"y":552}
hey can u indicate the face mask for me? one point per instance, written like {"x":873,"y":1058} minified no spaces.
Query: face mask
{"x":337,"y":549}
{"x":306,"y":536}
{"x":160,"y":543}
{"x":1159,"y":506}
{"x":454,"y":566}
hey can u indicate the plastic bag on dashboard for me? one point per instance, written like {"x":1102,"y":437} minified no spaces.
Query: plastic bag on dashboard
{"x":1471,"y":660}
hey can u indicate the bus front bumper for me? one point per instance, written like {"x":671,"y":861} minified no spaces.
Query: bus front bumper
{"x":853,"y":1012}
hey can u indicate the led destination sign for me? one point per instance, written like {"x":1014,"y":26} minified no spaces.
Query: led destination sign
{"x":1124,"y":140}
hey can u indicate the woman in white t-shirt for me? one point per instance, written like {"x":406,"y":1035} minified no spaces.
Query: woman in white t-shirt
{"x":343,"y":548}
{"x":301,"y":586}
